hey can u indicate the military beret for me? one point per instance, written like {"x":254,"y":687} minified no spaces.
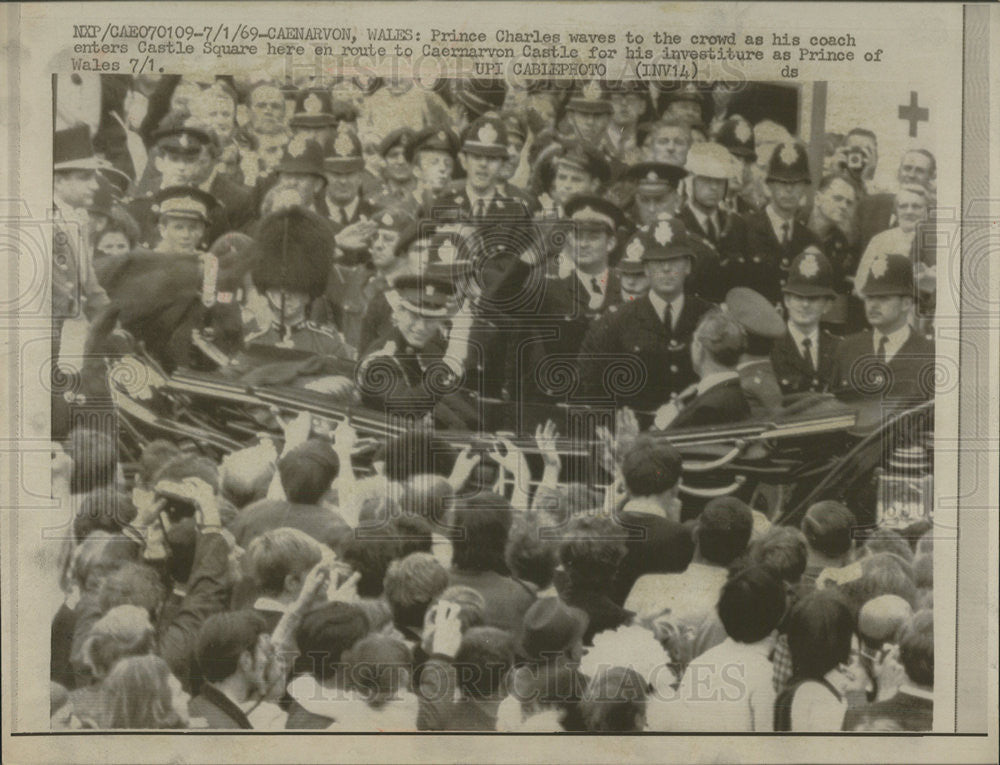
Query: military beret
{"x":399,"y":137}
{"x":433,"y":139}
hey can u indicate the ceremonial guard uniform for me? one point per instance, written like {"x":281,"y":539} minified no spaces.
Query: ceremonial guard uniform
{"x":803,"y":366}
{"x":654,"y":355}
{"x":768,"y":255}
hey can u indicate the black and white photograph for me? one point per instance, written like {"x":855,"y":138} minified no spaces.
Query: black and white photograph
{"x":607,"y":402}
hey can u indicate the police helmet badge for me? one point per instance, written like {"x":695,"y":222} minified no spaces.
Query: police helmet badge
{"x":743,"y":132}
{"x":788,"y":155}
{"x":809,"y":266}
{"x":634,"y":250}
{"x":297,"y":146}
{"x":663,"y":233}
{"x":879,"y":266}
{"x":312,"y":104}
{"x":592,"y":91}
{"x":488,"y":134}
{"x":447,"y":253}
{"x":343,"y":145}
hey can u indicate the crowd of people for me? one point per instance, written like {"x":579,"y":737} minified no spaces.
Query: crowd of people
{"x":471,"y":256}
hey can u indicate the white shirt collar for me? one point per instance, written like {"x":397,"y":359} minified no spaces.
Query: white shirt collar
{"x":777,"y":222}
{"x":587,"y":281}
{"x":474,"y":197}
{"x":894,"y":340}
{"x":716,"y":378}
{"x":660,"y":305}
{"x":798,"y":337}
{"x":703,"y":218}
{"x":348,"y":209}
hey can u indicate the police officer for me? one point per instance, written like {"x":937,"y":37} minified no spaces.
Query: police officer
{"x":631,"y":272}
{"x":313,"y":117}
{"x":654,"y":191}
{"x":746,"y":194}
{"x":776,"y":234}
{"x":711,"y":170}
{"x":301,"y":171}
{"x":648,"y":337}
{"x":293,"y":250}
{"x":406,"y":367}
{"x":891,"y":363}
{"x":565,"y":169}
{"x":762,"y":326}
{"x":587,"y":114}
{"x":398,"y":181}
{"x":433,"y":155}
{"x":592,"y":238}
{"x":803,"y":356}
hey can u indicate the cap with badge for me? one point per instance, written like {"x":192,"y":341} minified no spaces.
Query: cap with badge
{"x":343,"y":154}
{"x":401,"y":137}
{"x":593,"y":212}
{"x":428,"y":294}
{"x":187,"y":202}
{"x":516,"y":124}
{"x":589,"y":98}
{"x":577,"y":156}
{"x":486,"y":137}
{"x":686,"y":91}
{"x":789,"y":163}
{"x":754,"y":313}
{"x":710,"y":160}
{"x":810,"y":275}
{"x":175,"y":137}
{"x":72,"y":149}
{"x":889,"y":275}
{"x":654,"y":176}
{"x":302,"y":156}
{"x":433,"y":139}
{"x":736,"y":134}
{"x":665,"y":240}
{"x":313,"y":109}
{"x":393,"y":219}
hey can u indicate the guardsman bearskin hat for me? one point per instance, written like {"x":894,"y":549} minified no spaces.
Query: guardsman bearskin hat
{"x":293,"y":251}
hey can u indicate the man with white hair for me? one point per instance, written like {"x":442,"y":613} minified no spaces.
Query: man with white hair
{"x":877,"y":212}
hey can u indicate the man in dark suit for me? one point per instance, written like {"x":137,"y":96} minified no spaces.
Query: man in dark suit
{"x":891,"y":363}
{"x":711,"y":168}
{"x":803,"y":357}
{"x":776,"y":234}
{"x":718,"y":397}
{"x":647,"y":340}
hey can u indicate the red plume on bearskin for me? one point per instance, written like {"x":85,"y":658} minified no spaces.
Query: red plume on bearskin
{"x":293,"y":250}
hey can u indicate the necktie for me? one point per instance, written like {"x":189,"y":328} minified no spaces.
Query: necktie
{"x":807,"y":355}
{"x":784,"y":233}
{"x":596,"y":287}
{"x":711,"y":230}
{"x":880,"y":353}
{"x":480,"y":210}
{"x":668,"y":320}
{"x":343,"y":215}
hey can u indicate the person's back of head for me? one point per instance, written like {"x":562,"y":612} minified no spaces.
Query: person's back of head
{"x":471,"y":606}
{"x":278,"y":555}
{"x":651,"y":467}
{"x":189,"y":466}
{"x":137,"y":693}
{"x":369,"y":551}
{"x":615,"y":701}
{"x":99,"y":555}
{"x":820,"y":628}
{"x":307,"y":471}
{"x":246,"y":475}
{"x":591,"y":550}
{"x":154,"y":456}
{"x":722,"y":337}
{"x":782,"y":549}
{"x":411,"y":584}
{"x":379,"y":668}
{"x":829,"y":529}
{"x":882,"y":574}
{"x":479,"y":528}
{"x":134,"y":584}
{"x":723,"y":530}
{"x":881,"y":620}
{"x":890,"y":541}
{"x":105,"y":510}
{"x":426,"y":495}
{"x":122,"y":631}
{"x":916,"y":648}
{"x":222,"y":641}
{"x":531,"y":555}
{"x":323,"y":636}
{"x":751,"y":604}
{"x":482,"y":662}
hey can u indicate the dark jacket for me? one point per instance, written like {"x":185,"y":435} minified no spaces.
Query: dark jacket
{"x":322,"y":524}
{"x":654,"y":545}
{"x":506,"y":598}
{"x":603,"y":613}
{"x":633,"y":338}
{"x":876,"y":213}
{"x":713,"y":273}
{"x":910,"y":375}
{"x":764,"y":264}
{"x":217,"y":710}
{"x":719,"y":405}
{"x":909,"y":712}
{"x":793,"y":371}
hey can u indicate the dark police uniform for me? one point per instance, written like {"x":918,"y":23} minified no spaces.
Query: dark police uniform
{"x":656,"y":359}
